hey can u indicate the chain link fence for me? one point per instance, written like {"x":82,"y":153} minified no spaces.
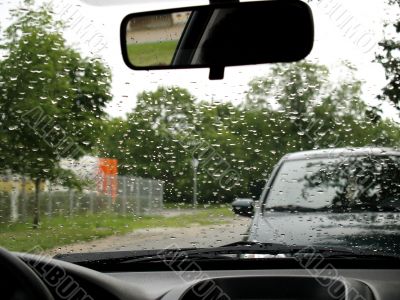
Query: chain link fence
{"x":135,"y":195}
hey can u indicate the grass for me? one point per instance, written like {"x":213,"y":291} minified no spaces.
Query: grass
{"x":60,"y":231}
{"x":152,"y":54}
{"x":185,"y":205}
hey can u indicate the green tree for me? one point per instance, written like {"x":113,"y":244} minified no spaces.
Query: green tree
{"x":289,"y":87}
{"x":305,"y":109}
{"x":150,"y":142}
{"x":322,"y":112}
{"x":294,"y":107}
{"x":52,"y":100}
{"x":390,"y":59}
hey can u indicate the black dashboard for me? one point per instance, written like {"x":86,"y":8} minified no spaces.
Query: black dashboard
{"x":250,"y":280}
{"x":268,"y":285}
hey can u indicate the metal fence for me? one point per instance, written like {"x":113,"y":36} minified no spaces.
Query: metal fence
{"x":135,"y":195}
{"x":139,"y":195}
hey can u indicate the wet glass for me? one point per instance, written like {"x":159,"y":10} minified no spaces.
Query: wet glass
{"x":370,"y":183}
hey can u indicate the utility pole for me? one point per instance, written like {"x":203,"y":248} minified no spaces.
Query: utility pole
{"x":195,"y":164}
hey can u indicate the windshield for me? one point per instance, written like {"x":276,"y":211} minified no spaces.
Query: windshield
{"x":345,"y":184}
{"x":96,"y":157}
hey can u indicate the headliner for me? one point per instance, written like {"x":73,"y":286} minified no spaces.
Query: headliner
{"x":127,"y":2}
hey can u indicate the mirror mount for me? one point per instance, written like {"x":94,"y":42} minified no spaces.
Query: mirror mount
{"x":217,"y":73}
{"x":223,"y":1}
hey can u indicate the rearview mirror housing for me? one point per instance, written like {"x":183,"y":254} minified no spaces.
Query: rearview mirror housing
{"x":218,"y":35}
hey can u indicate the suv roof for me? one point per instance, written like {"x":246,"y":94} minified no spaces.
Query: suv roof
{"x":338,"y":152}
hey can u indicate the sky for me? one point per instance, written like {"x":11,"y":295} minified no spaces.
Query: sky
{"x":345,"y":30}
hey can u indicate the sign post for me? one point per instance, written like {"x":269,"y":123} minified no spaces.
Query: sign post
{"x":195,"y":164}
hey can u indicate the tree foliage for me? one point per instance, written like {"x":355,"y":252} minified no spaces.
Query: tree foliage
{"x":294,"y":107}
{"x":52,"y":99}
{"x":390,"y":59}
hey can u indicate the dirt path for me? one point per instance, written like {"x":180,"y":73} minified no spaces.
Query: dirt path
{"x":158,"y":238}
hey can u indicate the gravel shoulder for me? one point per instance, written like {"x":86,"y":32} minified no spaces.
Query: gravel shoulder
{"x":234,"y":229}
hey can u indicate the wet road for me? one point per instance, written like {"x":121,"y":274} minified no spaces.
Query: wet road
{"x":158,"y":238}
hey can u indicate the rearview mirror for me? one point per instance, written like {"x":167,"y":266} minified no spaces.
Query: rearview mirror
{"x":218,"y":35}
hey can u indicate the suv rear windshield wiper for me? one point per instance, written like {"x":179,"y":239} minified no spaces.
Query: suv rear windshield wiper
{"x":295,"y":208}
{"x":231,"y":251}
{"x":334,"y":209}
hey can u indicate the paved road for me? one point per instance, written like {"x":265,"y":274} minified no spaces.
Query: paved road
{"x":158,"y":238}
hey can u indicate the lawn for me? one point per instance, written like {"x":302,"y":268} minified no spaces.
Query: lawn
{"x":186,"y":205}
{"x":59,"y":231}
{"x":152,"y":54}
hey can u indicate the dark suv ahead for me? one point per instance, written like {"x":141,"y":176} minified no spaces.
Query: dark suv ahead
{"x":337,"y":197}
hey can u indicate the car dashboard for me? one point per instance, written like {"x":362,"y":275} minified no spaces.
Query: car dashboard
{"x":245,"y":280}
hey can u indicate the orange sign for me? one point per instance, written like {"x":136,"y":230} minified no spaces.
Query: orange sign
{"x":108,"y":166}
{"x":108,"y":169}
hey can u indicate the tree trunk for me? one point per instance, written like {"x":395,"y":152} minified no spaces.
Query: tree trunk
{"x":36,"y":208}
{"x":23,"y":197}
